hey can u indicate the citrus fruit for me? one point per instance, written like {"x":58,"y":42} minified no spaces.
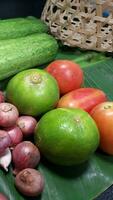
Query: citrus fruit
{"x":33,"y":92}
{"x":67,"y":136}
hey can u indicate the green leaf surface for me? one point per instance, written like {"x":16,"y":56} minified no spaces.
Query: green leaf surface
{"x":84,"y":182}
{"x":84,"y":58}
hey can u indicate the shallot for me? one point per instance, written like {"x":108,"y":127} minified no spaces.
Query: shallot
{"x":5,"y":141}
{"x":2,"y":98}
{"x":8,"y":114}
{"x":29,"y":182}
{"x":3,"y":197}
{"x":27,"y":124}
{"x":5,"y":159}
{"x":25,"y":155}
{"x":15,"y":134}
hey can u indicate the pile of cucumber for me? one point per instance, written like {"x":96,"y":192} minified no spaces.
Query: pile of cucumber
{"x":24,"y":43}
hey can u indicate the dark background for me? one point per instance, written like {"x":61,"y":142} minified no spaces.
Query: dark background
{"x":20,"y":8}
{"x":23,"y":8}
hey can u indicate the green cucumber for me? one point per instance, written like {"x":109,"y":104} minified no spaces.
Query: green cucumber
{"x":20,"y":27}
{"x":22,"y":53}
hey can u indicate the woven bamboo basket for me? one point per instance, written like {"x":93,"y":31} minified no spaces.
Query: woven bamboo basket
{"x":87,"y":24}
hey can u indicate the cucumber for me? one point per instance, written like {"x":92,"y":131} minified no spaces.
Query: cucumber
{"x":20,"y":27}
{"x":27,"y":52}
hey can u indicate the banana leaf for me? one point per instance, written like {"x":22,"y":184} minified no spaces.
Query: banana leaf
{"x":84,"y":182}
{"x":83,"y":57}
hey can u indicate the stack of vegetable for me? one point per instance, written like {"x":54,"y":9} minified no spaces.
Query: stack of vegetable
{"x":32,"y":93}
{"x":24,"y":43}
{"x":22,"y":52}
{"x":14,"y":146}
{"x":45,"y":112}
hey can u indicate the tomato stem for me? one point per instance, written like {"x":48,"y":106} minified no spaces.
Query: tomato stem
{"x":107,"y":106}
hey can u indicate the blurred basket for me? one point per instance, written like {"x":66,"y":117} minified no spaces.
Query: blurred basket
{"x":86,"y":24}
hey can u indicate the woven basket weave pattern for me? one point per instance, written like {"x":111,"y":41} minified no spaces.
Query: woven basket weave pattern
{"x":80,"y":23}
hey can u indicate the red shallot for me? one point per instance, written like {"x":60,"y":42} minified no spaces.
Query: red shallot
{"x":5,"y":141}
{"x":29,"y":182}
{"x":8,"y":114}
{"x":5,"y":159}
{"x":25,"y":155}
{"x":27,"y":124}
{"x":2,"y":98}
{"x":15,"y":134}
{"x":3,"y":197}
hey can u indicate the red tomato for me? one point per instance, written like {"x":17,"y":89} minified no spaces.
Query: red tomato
{"x":103,"y":116}
{"x":85,"y":98}
{"x":68,"y":74}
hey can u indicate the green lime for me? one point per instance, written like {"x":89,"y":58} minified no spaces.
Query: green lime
{"x":33,"y":92}
{"x":67,"y":136}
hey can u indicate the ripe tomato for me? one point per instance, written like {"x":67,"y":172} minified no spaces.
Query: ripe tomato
{"x":103,"y":116}
{"x":68,"y":74}
{"x":85,"y":98}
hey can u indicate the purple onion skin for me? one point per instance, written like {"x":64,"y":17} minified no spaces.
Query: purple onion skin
{"x":25,"y":155}
{"x":8,"y":115}
{"x":2,"y":97}
{"x":3,"y":197}
{"x":27,"y":125}
{"x":5,"y":141}
{"x":29,"y":182}
{"x":15,"y":134}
